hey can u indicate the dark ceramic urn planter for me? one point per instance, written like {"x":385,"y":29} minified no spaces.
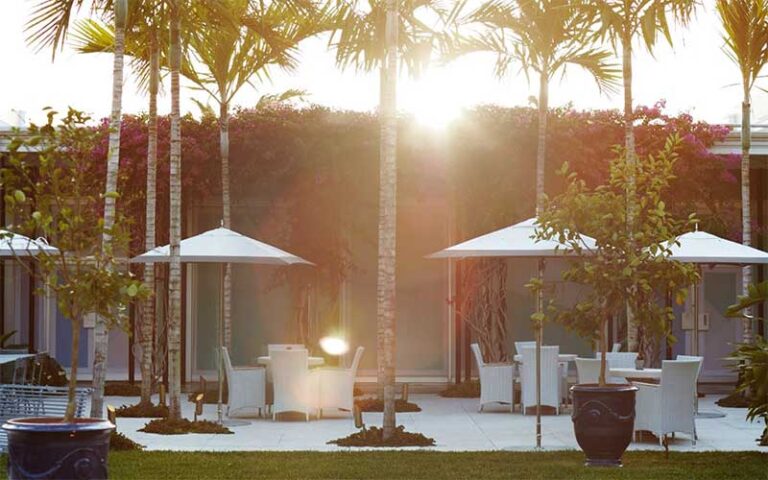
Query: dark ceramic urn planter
{"x":603,"y":421}
{"x":48,"y":448}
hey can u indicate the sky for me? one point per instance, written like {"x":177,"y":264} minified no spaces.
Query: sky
{"x":694,"y":76}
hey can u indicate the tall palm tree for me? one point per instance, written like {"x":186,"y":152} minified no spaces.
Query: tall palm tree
{"x":176,"y":7}
{"x":622,"y":21}
{"x":232,"y":46}
{"x":542,"y":37}
{"x":48,"y":27}
{"x":745,"y":25}
{"x":377,"y":35}
{"x":147,"y":22}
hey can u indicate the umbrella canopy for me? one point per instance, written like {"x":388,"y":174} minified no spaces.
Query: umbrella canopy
{"x":518,"y":240}
{"x":222,"y":245}
{"x":703,"y":247}
{"x":15,"y":245}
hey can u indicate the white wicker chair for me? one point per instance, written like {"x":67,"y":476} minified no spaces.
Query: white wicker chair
{"x":588,"y":370}
{"x":294,"y":389}
{"x":336,"y":385}
{"x":496,"y":381}
{"x":616,"y":347}
{"x":551,"y":377}
{"x":619,"y":360}
{"x":519,"y":346}
{"x":669,"y":406}
{"x":246,"y":388}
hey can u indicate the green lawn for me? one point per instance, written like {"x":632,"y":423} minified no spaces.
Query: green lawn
{"x":429,"y":465}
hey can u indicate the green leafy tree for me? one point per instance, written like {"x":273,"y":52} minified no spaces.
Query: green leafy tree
{"x":621,"y":22}
{"x":745,"y":25}
{"x":54,"y":194}
{"x":615,"y":263}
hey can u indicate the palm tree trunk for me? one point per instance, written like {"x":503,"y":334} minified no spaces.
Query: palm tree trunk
{"x":746,"y":217}
{"x":388,"y":220}
{"x":148,"y":312}
{"x":629,"y":148}
{"x":541,"y":149}
{"x":101,"y":330}
{"x":174,"y":276}
{"x":227,"y":215}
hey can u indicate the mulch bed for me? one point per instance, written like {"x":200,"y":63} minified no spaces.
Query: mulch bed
{"x":142,"y":410}
{"x":469,"y":389}
{"x":734,"y":400}
{"x":122,"y":389}
{"x":118,"y":441}
{"x":372,"y":437}
{"x":164,"y":426}
{"x":376,"y":405}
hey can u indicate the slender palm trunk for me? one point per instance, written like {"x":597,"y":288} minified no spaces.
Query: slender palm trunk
{"x":746,"y":217}
{"x":541,"y":149}
{"x":387,"y":219}
{"x":174,"y":276}
{"x":629,"y":148}
{"x":227,"y":215}
{"x":101,"y":331}
{"x":148,"y":312}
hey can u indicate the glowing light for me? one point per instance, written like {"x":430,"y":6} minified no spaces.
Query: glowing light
{"x":334,"y":346}
{"x":434,"y":99}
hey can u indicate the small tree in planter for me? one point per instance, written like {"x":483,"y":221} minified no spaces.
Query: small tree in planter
{"x":617,"y":271}
{"x":51,"y":192}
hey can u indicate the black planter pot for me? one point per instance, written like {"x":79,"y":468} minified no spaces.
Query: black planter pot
{"x":603,"y":421}
{"x":47,"y":448}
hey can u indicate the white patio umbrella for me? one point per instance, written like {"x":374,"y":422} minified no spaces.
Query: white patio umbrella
{"x":518,"y":241}
{"x":16,"y":245}
{"x":222,"y":246}
{"x":704,"y":248}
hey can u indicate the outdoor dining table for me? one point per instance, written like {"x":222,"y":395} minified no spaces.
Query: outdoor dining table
{"x":654,"y":373}
{"x":313,"y":361}
{"x":562,"y":357}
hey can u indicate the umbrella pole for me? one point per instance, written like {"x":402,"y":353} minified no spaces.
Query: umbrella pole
{"x":539,"y":339}
{"x":696,"y":287}
{"x":221,"y":341}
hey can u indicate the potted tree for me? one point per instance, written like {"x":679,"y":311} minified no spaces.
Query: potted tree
{"x":628,"y":267}
{"x":53,"y":189}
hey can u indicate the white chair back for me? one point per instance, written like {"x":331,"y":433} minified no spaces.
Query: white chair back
{"x":616,"y":347}
{"x":550,"y":376}
{"x":678,"y":382}
{"x":227,"y":363}
{"x":520,"y":345}
{"x":693,"y":358}
{"x":478,"y":355}
{"x":290,"y":378}
{"x":588,"y":370}
{"x":356,"y":361}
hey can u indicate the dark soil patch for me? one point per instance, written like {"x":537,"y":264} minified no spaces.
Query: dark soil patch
{"x":372,"y":437}
{"x":122,"y":389}
{"x":376,"y":405}
{"x":470,"y":389}
{"x":142,"y":410}
{"x":118,"y":441}
{"x":734,"y":400}
{"x":164,"y":426}
{"x":210,"y":396}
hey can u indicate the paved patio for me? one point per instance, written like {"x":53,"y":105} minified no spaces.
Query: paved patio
{"x":455,"y":425}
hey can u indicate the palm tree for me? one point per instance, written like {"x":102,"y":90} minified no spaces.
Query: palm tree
{"x":622,"y":21}
{"x":234,"y":44}
{"x":543,"y":37}
{"x":147,"y":24}
{"x":745,"y":25}
{"x":377,"y":35}
{"x":48,"y":27}
{"x":176,"y":7}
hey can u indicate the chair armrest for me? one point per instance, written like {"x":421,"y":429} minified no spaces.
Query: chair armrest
{"x":644,"y":385}
{"x":241,"y":369}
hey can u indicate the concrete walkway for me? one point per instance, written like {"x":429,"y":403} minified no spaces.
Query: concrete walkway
{"x":455,"y":425}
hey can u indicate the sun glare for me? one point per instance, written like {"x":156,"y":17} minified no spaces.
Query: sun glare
{"x":433,"y":99}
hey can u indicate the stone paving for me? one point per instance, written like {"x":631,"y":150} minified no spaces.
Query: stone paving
{"x":455,"y":424}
